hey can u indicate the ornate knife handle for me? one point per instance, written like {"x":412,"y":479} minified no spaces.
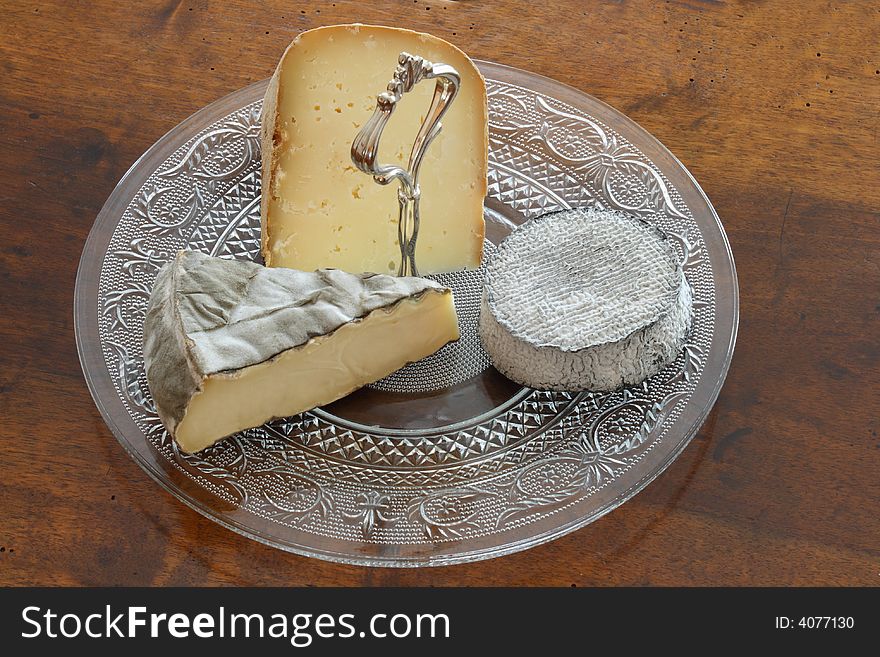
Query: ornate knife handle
{"x":364,"y":149}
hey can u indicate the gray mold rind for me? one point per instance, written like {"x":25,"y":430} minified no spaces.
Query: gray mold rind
{"x":601,"y":365}
{"x":209,"y":316}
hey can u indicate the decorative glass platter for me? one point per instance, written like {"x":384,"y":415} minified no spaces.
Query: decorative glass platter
{"x":445,"y":461}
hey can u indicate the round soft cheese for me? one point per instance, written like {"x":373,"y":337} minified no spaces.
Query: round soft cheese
{"x":584,"y":300}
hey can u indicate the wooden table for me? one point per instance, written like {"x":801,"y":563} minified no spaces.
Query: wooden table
{"x":772,"y":106}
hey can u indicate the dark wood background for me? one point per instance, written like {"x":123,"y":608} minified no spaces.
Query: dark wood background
{"x":773,"y":106}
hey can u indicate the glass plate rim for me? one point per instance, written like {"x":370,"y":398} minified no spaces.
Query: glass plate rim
{"x":86,"y":307}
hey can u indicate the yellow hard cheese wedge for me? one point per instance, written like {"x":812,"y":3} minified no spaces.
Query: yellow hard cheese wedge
{"x":318,"y":210}
{"x":229,"y":345}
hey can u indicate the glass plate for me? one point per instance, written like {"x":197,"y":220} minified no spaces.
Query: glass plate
{"x":445,"y":461}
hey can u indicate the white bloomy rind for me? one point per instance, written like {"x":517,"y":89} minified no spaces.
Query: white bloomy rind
{"x":230,"y":344}
{"x":584,"y":300}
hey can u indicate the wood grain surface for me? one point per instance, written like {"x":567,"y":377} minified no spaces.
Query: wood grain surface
{"x":773,"y":106}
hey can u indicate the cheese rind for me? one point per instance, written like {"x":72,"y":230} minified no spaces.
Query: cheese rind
{"x":584,"y":300}
{"x":317,"y":209}
{"x":229,"y":345}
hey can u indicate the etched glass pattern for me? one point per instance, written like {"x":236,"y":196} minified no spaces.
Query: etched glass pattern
{"x":523,"y":469}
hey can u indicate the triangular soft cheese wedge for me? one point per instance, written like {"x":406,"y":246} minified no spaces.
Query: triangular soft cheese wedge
{"x":229,"y":345}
